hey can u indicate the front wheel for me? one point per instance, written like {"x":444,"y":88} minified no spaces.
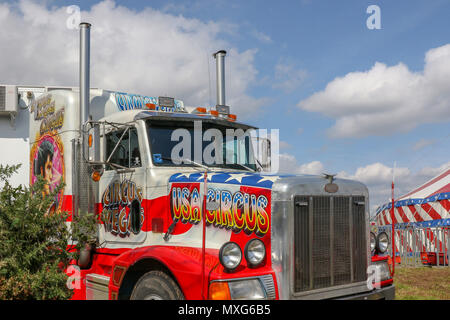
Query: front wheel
{"x":156,"y":285}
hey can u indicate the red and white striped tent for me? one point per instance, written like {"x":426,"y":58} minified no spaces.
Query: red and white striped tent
{"x":426,"y":210}
{"x":426,"y":206}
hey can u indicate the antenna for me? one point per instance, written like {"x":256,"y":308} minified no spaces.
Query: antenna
{"x":393,"y":170}
{"x":209,"y":79}
{"x":393,"y":221}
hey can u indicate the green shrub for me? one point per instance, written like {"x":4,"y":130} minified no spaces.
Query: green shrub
{"x":33,"y":253}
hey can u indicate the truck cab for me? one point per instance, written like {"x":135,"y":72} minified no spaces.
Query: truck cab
{"x":220,"y":229}
{"x":187,"y":207}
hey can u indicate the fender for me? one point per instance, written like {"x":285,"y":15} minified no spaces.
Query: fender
{"x":184,"y":264}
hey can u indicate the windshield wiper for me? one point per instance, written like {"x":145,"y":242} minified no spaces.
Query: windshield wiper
{"x":244,"y":166}
{"x":188,"y":160}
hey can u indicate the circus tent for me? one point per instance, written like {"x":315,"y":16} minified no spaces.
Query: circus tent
{"x":425,"y":206}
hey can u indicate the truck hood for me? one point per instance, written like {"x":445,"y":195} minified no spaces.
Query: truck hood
{"x":282,"y":185}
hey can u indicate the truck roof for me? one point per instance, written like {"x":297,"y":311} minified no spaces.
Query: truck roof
{"x":121,"y":107}
{"x":133,"y":115}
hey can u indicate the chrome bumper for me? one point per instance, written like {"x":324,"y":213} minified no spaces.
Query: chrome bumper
{"x":386,"y":293}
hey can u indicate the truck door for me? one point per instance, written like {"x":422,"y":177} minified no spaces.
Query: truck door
{"x":122,"y":188}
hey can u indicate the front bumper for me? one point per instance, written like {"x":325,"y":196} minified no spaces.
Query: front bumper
{"x":386,"y":293}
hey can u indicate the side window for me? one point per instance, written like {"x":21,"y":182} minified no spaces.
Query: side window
{"x":122,"y":147}
{"x":135,"y":158}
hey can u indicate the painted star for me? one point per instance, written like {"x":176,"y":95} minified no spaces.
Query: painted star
{"x":237,"y":176}
{"x":194,"y":174}
{"x":209,"y":177}
{"x":186,"y":175}
{"x":268,"y":178}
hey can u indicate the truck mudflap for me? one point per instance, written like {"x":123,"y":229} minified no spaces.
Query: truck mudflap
{"x":385,"y":293}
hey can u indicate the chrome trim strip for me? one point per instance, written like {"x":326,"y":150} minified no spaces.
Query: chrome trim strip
{"x":311,"y":232}
{"x":350,"y":217}
{"x":331,"y":241}
{"x":269,"y":286}
{"x":97,"y":287}
{"x":332,"y":292}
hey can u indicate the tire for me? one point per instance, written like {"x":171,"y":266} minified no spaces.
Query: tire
{"x":156,"y":285}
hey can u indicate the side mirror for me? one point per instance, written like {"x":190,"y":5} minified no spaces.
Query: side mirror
{"x":91,"y":149}
{"x":266,"y":149}
{"x":94,"y":143}
{"x":91,"y":142}
{"x":262,"y":147}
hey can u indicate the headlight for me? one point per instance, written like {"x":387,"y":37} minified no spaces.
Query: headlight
{"x":381,"y":271}
{"x":246,"y":289}
{"x":255,"y":252}
{"x":383,"y":242}
{"x":230,"y":255}
{"x":373,"y":241}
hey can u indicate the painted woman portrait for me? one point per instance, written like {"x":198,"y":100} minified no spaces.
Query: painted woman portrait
{"x":47,"y":162}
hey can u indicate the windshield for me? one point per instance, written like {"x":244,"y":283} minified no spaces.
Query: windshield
{"x":199,"y":143}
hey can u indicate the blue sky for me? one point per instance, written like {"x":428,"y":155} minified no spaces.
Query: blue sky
{"x":297,"y":48}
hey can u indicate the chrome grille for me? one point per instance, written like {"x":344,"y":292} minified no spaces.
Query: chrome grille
{"x":321,"y":251}
{"x":330,"y":241}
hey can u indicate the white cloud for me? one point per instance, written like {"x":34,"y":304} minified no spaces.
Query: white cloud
{"x":377,"y":173}
{"x":386,"y":99}
{"x":146,"y":52}
{"x":314,"y":167}
{"x":285,"y":145}
{"x":422,"y":143}
{"x":288,"y":77}
{"x":264,"y":38}
{"x":378,"y":178}
{"x":288,"y":164}
{"x":429,"y":172}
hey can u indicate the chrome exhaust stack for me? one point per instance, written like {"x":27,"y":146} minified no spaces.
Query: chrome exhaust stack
{"x":85,"y":39}
{"x":221,"y":107}
{"x":83,"y":189}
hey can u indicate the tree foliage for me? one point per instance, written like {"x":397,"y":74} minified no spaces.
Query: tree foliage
{"x":33,"y":253}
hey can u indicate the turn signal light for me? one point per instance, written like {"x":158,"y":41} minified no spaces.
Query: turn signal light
{"x":151,"y":106}
{"x":96,"y":176}
{"x":219,"y":291}
{"x":118,"y":274}
{"x":90,"y":141}
{"x":201,"y":110}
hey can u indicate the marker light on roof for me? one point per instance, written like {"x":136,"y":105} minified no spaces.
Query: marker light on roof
{"x":151,"y":106}
{"x":199,"y":110}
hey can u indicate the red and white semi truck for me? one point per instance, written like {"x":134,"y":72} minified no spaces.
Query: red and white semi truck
{"x":186,"y":228}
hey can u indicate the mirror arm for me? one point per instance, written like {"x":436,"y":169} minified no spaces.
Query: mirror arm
{"x":117,"y":144}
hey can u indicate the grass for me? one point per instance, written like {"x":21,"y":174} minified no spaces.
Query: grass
{"x":422,"y":283}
